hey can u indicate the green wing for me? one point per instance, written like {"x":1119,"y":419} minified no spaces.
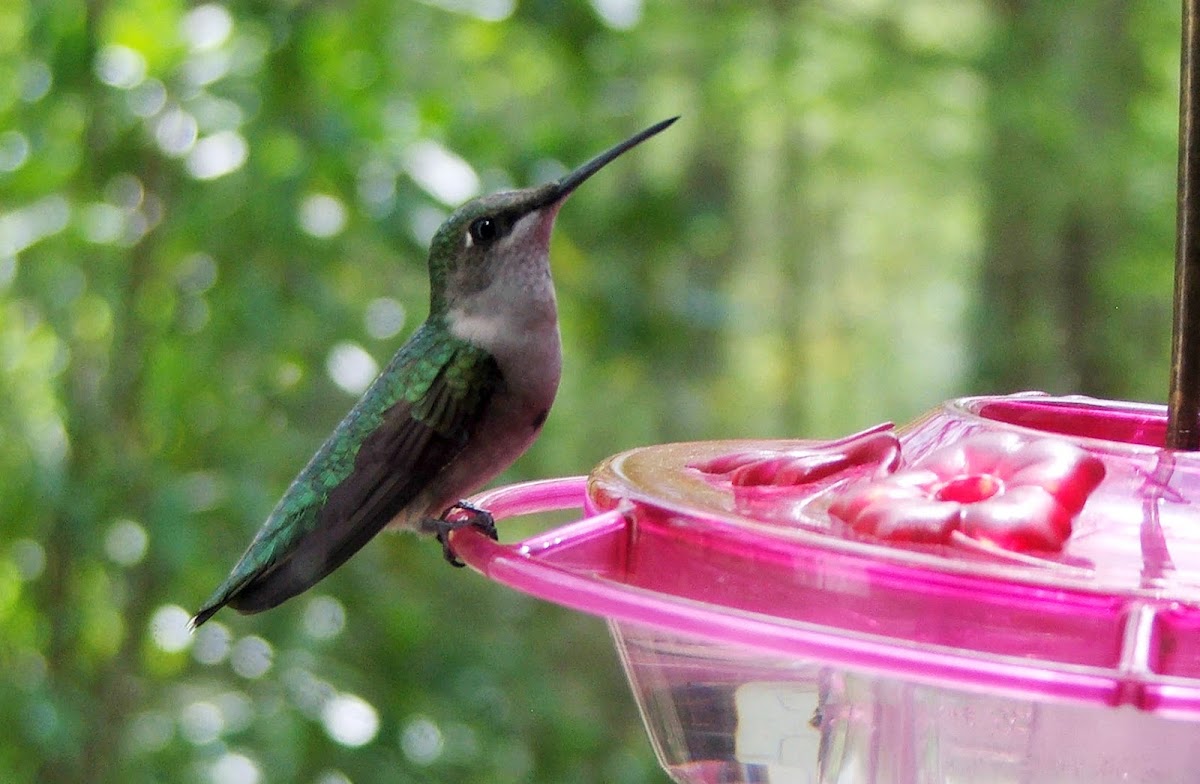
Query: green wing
{"x":409,"y":425}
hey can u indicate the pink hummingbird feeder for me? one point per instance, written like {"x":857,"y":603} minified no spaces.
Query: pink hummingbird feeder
{"x":1005,"y":590}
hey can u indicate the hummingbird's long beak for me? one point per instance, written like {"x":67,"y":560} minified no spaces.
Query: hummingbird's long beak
{"x":571,"y":181}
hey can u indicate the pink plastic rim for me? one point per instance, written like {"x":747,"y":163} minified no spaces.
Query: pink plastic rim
{"x":518,"y":566}
{"x":1131,"y":424}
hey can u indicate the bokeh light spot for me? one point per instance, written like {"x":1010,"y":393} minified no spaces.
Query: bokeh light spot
{"x":125,"y":191}
{"x":197,"y":273}
{"x":421,"y":740}
{"x":237,"y":711}
{"x":49,"y":441}
{"x":102,"y":223}
{"x":377,"y":185}
{"x":207,"y":26}
{"x":332,"y":777}
{"x":234,"y":768}
{"x":351,"y":367}
{"x":29,"y":557}
{"x":444,"y":175}
{"x":14,"y":151}
{"x":201,"y":723}
{"x":212,"y":644}
{"x":218,"y":114}
{"x":350,"y":720}
{"x":203,"y":490}
{"x":619,"y":14}
{"x":150,"y":731}
{"x":176,"y":131}
{"x":384,"y":318}
{"x":126,"y":542}
{"x":324,"y":617}
{"x":424,"y":222}
{"x":27,"y":225}
{"x":309,"y":693}
{"x":36,"y":79}
{"x":215,"y":156}
{"x":121,"y":67}
{"x":169,"y":628}
{"x":147,"y":99}
{"x":322,"y":215}
{"x":251,"y":657}
{"x":288,"y":374}
{"x":8,"y":271}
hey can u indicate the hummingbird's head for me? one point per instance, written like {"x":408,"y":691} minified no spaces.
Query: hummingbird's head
{"x":491,"y":237}
{"x":506,"y":236}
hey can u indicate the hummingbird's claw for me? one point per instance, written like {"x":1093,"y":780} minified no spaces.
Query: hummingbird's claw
{"x":474,"y":516}
{"x":443,"y":537}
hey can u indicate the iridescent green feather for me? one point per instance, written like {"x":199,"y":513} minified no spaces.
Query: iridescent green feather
{"x":430,"y":354}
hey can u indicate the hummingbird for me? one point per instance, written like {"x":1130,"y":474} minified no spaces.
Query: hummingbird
{"x":463,"y":398}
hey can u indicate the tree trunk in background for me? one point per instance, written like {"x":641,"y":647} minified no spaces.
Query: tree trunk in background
{"x":1056,"y":211}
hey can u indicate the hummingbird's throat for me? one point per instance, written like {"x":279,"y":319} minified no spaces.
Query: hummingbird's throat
{"x":528,"y":239}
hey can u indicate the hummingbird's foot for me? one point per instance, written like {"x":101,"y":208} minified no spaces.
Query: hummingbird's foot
{"x":473,"y":516}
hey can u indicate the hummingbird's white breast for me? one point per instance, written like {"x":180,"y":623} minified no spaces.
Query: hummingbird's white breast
{"x":516,"y":321}
{"x":515,"y":316}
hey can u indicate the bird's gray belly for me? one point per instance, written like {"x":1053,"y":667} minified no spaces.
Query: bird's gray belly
{"x":512,"y":423}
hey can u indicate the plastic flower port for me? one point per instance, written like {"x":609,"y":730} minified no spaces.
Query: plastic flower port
{"x":804,"y":465}
{"x":1016,"y":493}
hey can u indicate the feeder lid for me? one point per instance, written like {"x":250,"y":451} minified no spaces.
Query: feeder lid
{"x":1025,"y":543}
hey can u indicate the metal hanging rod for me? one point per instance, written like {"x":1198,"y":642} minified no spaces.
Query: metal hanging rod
{"x":1183,"y":402}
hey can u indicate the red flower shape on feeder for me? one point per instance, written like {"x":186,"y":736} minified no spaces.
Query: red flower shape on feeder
{"x":772,"y":468}
{"x":1013,"y":492}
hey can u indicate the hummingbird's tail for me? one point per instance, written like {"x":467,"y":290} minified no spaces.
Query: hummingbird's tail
{"x":204,"y":613}
{"x":250,"y":590}
{"x":274,"y":568}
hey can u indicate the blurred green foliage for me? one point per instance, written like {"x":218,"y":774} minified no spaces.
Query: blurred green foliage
{"x":212,"y":228}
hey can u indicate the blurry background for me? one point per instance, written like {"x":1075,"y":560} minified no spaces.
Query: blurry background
{"x":213,"y":222}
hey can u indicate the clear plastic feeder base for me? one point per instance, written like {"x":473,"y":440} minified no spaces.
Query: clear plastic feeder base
{"x":725,"y":714}
{"x":1006,"y":590}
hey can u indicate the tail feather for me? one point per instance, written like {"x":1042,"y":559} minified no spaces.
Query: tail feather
{"x":203,"y":614}
{"x":250,"y":590}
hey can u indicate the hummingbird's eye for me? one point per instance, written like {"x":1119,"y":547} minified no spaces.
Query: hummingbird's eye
{"x":484,"y":230}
